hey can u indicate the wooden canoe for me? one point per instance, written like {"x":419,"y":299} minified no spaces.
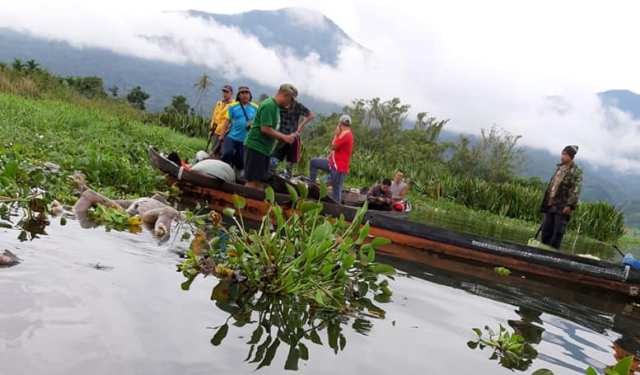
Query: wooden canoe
{"x":411,"y":238}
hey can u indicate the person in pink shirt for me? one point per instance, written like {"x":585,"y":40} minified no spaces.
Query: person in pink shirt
{"x":337,"y":164}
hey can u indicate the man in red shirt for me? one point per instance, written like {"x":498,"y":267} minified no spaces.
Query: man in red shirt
{"x":337,"y":164}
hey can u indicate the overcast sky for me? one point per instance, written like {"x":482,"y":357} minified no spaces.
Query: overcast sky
{"x":476,"y":62}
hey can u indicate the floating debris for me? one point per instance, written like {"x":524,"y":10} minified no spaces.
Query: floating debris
{"x":8,"y":259}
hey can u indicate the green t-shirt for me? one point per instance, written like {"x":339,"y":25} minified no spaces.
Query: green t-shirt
{"x":268,"y":115}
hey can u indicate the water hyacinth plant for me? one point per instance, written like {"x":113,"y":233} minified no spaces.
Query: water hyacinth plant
{"x":327,"y":262}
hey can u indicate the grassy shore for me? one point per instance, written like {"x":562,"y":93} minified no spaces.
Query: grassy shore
{"x":103,"y":143}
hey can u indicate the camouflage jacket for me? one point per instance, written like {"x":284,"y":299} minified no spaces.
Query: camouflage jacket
{"x":568,"y":191}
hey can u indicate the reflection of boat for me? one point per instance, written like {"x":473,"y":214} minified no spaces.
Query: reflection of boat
{"x":571,"y":269}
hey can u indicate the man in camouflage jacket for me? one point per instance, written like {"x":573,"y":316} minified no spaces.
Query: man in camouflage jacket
{"x":561,"y":198}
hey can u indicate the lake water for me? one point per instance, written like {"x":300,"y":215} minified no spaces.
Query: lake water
{"x":87,"y":301}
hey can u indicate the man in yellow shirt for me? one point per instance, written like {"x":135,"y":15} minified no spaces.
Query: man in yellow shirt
{"x":218,"y":117}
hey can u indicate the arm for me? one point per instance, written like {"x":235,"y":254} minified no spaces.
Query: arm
{"x":574,"y":192}
{"x":269,"y":131}
{"x":307,"y":119}
{"x":338,"y":141}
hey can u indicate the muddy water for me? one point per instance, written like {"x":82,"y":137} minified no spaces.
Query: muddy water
{"x":84,"y":301}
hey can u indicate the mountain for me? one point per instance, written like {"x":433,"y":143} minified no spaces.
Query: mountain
{"x":301,"y":31}
{"x":295,"y":30}
{"x":625,"y":100}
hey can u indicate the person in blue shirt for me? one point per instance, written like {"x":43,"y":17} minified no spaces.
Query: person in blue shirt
{"x":240,"y":115}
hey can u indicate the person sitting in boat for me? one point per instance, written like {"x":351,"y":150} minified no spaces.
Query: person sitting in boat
{"x":399,"y":189}
{"x":380,"y":196}
{"x":238,"y":120}
{"x":561,"y":198}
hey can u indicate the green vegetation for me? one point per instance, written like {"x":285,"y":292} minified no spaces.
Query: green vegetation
{"x":481,"y":176}
{"x":514,"y":352}
{"x":301,"y":275}
{"x":509,"y":349}
{"x":45,"y":140}
{"x":307,"y":255}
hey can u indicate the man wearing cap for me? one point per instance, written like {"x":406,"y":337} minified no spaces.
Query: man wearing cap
{"x":218,"y":119}
{"x":263,"y":134}
{"x":239,"y":116}
{"x":337,"y":164}
{"x":290,"y":124}
{"x":561,"y":198}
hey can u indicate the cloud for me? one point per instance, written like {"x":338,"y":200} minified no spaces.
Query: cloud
{"x":477,"y":63}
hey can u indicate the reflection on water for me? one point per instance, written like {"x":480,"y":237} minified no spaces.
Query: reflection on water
{"x":62,"y":312}
{"x":282,"y":323}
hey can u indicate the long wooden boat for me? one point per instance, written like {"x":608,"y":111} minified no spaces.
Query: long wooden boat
{"x":409,"y":238}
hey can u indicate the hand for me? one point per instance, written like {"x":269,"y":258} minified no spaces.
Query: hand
{"x":288,"y":138}
{"x":566,"y":210}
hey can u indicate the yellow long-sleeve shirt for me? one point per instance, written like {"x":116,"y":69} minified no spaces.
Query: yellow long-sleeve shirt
{"x":218,"y":117}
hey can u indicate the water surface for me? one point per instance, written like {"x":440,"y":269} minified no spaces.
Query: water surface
{"x":89,"y":301}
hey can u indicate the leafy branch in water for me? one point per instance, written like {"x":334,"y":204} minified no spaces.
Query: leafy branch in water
{"x":327,"y":262}
{"x":509,"y":349}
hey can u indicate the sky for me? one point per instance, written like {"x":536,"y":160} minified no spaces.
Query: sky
{"x":478,"y":63}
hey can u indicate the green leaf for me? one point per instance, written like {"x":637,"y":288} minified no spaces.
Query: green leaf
{"x":315,"y":338}
{"x":269,"y":195}
{"x":229,"y":212}
{"x":323,"y":190}
{"x":319,"y":298}
{"x":543,"y":371}
{"x":293,"y":193}
{"x":292,"y":359}
{"x":271,"y":353}
{"x":380,"y":241}
{"x":364,"y":232}
{"x":303,"y":190}
{"x":10,"y":169}
{"x":624,"y":366}
{"x":238,"y":201}
{"x":322,"y":232}
{"x":478,"y":331}
{"x":256,"y":335}
{"x":63,"y":221}
{"x":304,"y":351}
{"x":187,"y":284}
{"x":384,"y":269}
{"x":591,"y":371}
{"x":221,"y":333}
{"x":472,"y":344}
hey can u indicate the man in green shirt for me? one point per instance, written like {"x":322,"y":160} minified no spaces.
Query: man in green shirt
{"x":262,"y":137}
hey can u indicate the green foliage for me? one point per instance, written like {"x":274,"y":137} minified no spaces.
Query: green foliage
{"x":181,"y":117}
{"x":480,"y":176}
{"x":509,"y":349}
{"x":322,"y":261}
{"x":502,"y":271}
{"x":114,"y":218}
{"x":137,"y":98}
{"x":282,"y":323}
{"x":623,"y":367}
{"x":109,"y":150}
{"x":90,"y":87}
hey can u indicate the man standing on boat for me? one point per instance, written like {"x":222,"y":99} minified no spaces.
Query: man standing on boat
{"x":290,"y":124}
{"x":238,"y":120}
{"x":218,"y":129}
{"x":561,"y":198}
{"x":263,"y":135}
{"x":337,"y":164}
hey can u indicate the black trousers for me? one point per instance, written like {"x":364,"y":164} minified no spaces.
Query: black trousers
{"x":553,"y":228}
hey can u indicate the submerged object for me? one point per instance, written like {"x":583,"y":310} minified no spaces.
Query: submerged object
{"x":7,"y":258}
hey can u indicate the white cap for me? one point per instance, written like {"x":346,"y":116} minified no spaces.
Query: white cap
{"x":345,"y":119}
{"x":201,"y":155}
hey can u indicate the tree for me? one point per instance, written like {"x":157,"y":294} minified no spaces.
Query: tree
{"x":495,"y":157}
{"x":90,"y":87}
{"x":114,"y":91}
{"x":137,"y":98}
{"x":17,"y":65}
{"x":202,"y":87}
{"x":429,"y":126}
{"x":179,"y":105}
{"x":32,"y":66}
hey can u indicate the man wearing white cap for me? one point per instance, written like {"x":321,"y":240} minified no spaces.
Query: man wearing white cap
{"x":337,"y":164}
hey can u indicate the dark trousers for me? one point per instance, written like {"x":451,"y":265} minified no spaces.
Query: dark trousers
{"x":233,"y":153}
{"x":553,"y":228}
